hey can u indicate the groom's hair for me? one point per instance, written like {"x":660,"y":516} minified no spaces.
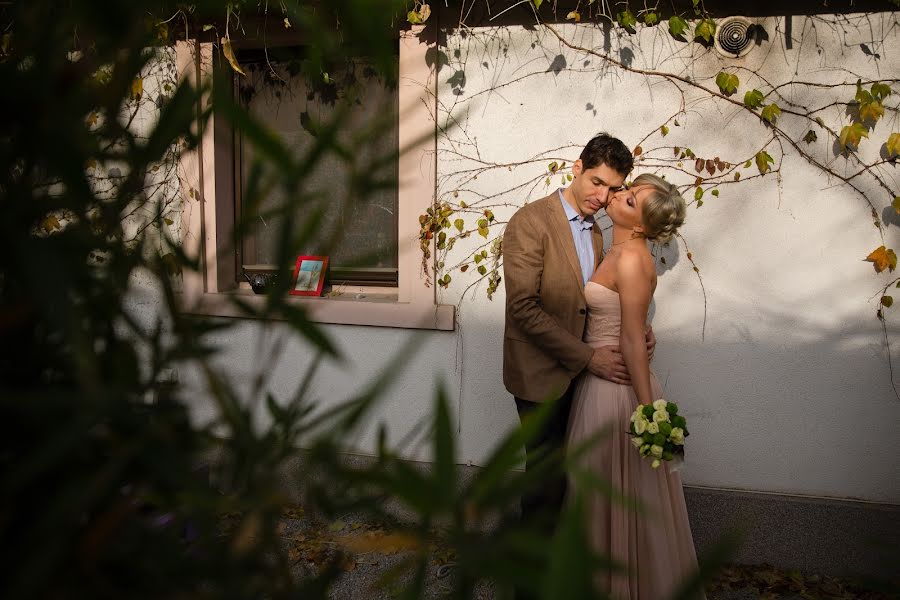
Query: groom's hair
{"x":604,"y":149}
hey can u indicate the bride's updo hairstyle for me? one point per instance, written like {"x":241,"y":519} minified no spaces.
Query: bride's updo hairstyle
{"x":664,"y":208}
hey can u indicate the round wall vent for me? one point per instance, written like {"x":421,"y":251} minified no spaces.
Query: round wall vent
{"x":735,"y":36}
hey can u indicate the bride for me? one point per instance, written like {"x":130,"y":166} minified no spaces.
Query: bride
{"x":654,"y":543}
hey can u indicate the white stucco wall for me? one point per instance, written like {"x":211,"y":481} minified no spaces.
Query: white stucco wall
{"x":788,"y":391}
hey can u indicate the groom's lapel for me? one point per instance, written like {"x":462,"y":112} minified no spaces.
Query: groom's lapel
{"x":562,"y":231}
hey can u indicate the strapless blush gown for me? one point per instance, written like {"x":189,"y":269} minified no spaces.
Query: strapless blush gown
{"x":655,"y":545}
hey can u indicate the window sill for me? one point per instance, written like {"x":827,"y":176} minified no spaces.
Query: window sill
{"x":376,"y":310}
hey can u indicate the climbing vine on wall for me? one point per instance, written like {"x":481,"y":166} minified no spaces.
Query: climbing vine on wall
{"x":854,"y":118}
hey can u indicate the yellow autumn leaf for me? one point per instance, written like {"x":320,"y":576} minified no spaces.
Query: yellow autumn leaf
{"x":50,"y":223}
{"x":229,"y":56}
{"x":893,"y":145}
{"x":574,"y":16}
{"x":380,"y":542}
{"x":871,"y":111}
{"x":883,"y":258}
{"x":137,"y":88}
{"x":851,"y":135}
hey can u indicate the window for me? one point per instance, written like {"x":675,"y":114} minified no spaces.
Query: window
{"x":358,"y":197}
{"x":209,"y":175}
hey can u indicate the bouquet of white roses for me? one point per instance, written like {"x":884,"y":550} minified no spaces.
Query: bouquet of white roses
{"x":658,"y":431}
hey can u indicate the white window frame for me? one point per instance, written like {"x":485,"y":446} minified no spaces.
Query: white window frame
{"x":206,"y":223}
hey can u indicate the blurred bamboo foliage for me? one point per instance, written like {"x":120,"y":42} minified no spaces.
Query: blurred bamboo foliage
{"x":107,"y":485}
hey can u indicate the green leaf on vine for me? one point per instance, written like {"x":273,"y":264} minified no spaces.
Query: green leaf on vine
{"x":664,"y":130}
{"x":887,"y":301}
{"x":553,"y":167}
{"x":627,"y":21}
{"x":851,"y":135}
{"x":748,"y":163}
{"x":893,"y":145}
{"x":698,"y":193}
{"x":537,"y":3}
{"x":883,"y":258}
{"x":483,"y":227}
{"x":482,"y":269}
{"x":810,"y":137}
{"x":771,"y":112}
{"x":651,"y":18}
{"x":677,"y":27}
{"x":705,"y":31}
{"x":728,"y":83}
{"x":753,"y":99}
{"x":715,"y":193}
{"x":880,"y":91}
{"x":459,"y":224}
{"x":763,"y":160}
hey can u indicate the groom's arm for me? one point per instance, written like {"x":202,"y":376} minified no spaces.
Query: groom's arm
{"x":523,"y":267}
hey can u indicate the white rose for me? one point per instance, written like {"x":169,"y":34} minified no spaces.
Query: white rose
{"x":653,"y":428}
{"x":660,"y":404}
{"x":677,"y":436}
{"x":640,"y":426}
{"x":637,"y":442}
{"x":655,"y":464}
{"x":656,"y":451}
{"x":637,"y":414}
{"x":660,"y":416}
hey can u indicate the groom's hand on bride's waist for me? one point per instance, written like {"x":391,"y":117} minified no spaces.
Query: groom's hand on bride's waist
{"x":607,"y":363}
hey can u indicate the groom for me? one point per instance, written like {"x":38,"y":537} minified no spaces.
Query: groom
{"x":551,"y":248}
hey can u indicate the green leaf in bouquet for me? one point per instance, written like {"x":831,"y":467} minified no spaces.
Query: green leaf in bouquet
{"x":672,"y":408}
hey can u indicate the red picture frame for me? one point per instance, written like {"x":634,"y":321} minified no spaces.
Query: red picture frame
{"x":309,"y":276}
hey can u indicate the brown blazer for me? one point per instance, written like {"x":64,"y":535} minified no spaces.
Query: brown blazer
{"x":545,"y":306}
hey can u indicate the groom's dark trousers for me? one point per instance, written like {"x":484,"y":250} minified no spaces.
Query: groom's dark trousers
{"x":544,"y":503}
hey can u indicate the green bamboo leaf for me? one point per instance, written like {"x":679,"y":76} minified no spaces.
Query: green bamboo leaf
{"x":444,"y":450}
